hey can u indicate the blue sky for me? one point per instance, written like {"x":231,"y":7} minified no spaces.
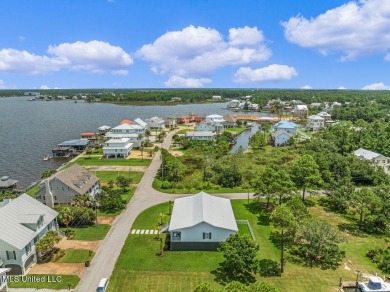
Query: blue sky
{"x":217,"y":44}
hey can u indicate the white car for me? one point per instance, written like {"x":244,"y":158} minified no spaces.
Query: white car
{"x":103,"y":284}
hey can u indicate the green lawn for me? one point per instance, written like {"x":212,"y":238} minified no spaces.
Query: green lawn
{"x":106,"y":176}
{"x":89,"y":161}
{"x":139,"y":269}
{"x":92,"y":232}
{"x":32,"y":191}
{"x":55,"y":282}
{"x":76,"y":256}
{"x":183,"y":131}
{"x":237,"y":130}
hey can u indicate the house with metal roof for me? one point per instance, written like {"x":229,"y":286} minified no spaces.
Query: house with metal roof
{"x":374,"y":157}
{"x":117,"y":148}
{"x":286,"y":126}
{"x":281,"y":137}
{"x":300,"y":110}
{"x":7,"y":184}
{"x":4,"y":279}
{"x":64,"y":185}
{"x":315,"y":123}
{"x":155,"y":123}
{"x":23,"y":221}
{"x":201,"y":222}
{"x":201,"y":135}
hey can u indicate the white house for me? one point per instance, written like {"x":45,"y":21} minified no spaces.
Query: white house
{"x":156,"y":123}
{"x":376,"y":158}
{"x":104,"y":129}
{"x":200,"y":222}
{"x":141,"y":123}
{"x":202,"y":127}
{"x":117,"y":148}
{"x":230,"y":121}
{"x":23,"y":221}
{"x":325,"y":115}
{"x":234,"y":104}
{"x":216,"y":97}
{"x":300,"y":110}
{"x":286,"y":126}
{"x":253,"y":107}
{"x":131,"y":131}
{"x":64,"y":185}
{"x":215,"y":121}
{"x":201,"y":135}
{"x":315,"y":123}
{"x":281,"y":137}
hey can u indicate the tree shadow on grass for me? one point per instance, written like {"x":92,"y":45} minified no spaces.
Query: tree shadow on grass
{"x":223,"y":276}
{"x":259,"y":208}
{"x":351,"y":228}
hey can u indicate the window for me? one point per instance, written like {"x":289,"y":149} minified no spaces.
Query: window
{"x":55,"y":198}
{"x":28,"y":248}
{"x":11,"y":255}
{"x":206,"y":235}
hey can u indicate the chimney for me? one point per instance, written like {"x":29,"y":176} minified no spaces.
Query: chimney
{"x":49,"y":198}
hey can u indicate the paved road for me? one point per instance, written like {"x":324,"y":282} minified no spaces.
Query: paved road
{"x":145,"y":196}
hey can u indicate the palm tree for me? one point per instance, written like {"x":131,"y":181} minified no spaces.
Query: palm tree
{"x":65,"y":216}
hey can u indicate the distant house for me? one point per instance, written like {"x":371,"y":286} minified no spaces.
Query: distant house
{"x":126,"y":122}
{"x":117,"y":148}
{"x":7,"y":184}
{"x":315,"y":123}
{"x":376,"y":158}
{"x":155,"y":123}
{"x":374,"y":284}
{"x":170,"y":122}
{"x":201,"y":222}
{"x":103,"y":129}
{"x":325,"y":116}
{"x":91,"y":137}
{"x":141,"y":123}
{"x":300,"y":110}
{"x":253,"y":107}
{"x":286,"y":126}
{"x":183,"y":119}
{"x":64,"y":185}
{"x":77,"y":145}
{"x":201,"y":135}
{"x":315,"y":104}
{"x":216,"y":97}
{"x":176,"y":99}
{"x":23,"y":221}
{"x":281,"y":137}
{"x":234,"y":104}
{"x":230,"y":121}
{"x":202,"y":127}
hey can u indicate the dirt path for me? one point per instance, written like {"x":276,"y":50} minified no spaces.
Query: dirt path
{"x":78,"y":244}
{"x":59,"y":269}
{"x":116,"y":168}
{"x":106,"y":219}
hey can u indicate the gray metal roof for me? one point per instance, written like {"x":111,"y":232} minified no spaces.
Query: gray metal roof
{"x":6,"y":182}
{"x":366,"y":154}
{"x":15,"y":233}
{"x":202,"y":207}
{"x":78,"y":142}
{"x":200,"y":134}
{"x":29,"y":218}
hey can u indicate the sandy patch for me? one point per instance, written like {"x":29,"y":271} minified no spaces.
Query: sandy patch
{"x":58,"y":269}
{"x":78,"y":244}
{"x":106,"y":219}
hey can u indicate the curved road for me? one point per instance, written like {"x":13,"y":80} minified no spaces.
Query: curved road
{"x":144,"y":197}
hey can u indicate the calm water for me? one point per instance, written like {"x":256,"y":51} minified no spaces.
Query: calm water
{"x":30,"y":129}
{"x":243,"y":138}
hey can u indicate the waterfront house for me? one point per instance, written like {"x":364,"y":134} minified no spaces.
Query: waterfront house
{"x":201,"y":135}
{"x":63,"y":186}
{"x":170,"y":122}
{"x":126,"y":122}
{"x":103,"y":129}
{"x":235,"y":104}
{"x":3,"y":279}
{"x":230,"y":121}
{"x":215,"y":121}
{"x":7,"y":184}
{"x":91,"y":137}
{"x":132,"y":132}
{"x":315,"y":123}
{"x":117,"y":148}
{"x":201,"y":222}
{"x":281,"y":137}
{"x":155,"y":123}
{"x":141,"y":123}
{"x":183,"y":119}
{"x":76,"y":145}
{"x":376,"y":158}
{"x":216,"y":97}
{"x":202,"y":127}
{"x":286,"y":126}
{"x":300,"y":110}
{"x":176,"y":99}
{"x":23,"y":221}
{"x":59,"y":151}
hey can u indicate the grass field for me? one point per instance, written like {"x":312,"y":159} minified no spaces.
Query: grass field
{"x":88,"y":161}
{"x":237,"y":130}
{"x":106,"y":176}
{"x":64,"y":282}
{"x":126,"y":197}
{"x":32,"y":191}
{"x":92,"y":232}
{"x":76,"y":256}
{"x":139,"y":269}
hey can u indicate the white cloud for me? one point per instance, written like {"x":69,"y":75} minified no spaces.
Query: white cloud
{"x":181,"y":82}
{"x":306,"y":87}
{"x":245,"y":36}
{"x":200,"y":50}
{"x":354,"y":29}
{"x":93,"y":56}
{"x":272,"y":73}
{"x":341,"y":88}
{"x":2,"y":84}
{"x":44,"y":86}
{"x":21,"y":38}
{"x":376,"y":86}
{"x":120,"y":72}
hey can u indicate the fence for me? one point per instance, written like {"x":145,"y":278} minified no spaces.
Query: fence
{"x":249,"y":227}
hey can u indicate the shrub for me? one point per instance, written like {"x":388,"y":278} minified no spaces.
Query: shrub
{"x":269,"y":268}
